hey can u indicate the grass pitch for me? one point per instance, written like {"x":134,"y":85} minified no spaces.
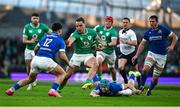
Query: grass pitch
{"x":73,"y":95}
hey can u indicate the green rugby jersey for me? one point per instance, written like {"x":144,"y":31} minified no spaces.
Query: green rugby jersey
{"x":106,"y":35}
{"x":84,"y":42}
{"x":34,"y":32}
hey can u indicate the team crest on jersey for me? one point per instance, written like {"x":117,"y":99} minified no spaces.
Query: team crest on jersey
{"x":101,"y":32}
{"x":89,"y":37}
{"x":39,"y":30}
{"x":30,"y":31}
{"x":103,"y":37}
{"x":160,"y":31}
{"x":34,"y":36}
{"x":107,"y":33}
{"x":86,"y":43}
{"x":81,"y":38}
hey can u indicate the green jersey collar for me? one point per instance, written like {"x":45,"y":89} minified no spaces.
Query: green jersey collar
{"x":84,"y":33}
{"x":108,"y":29}
{"x":34,"y":26}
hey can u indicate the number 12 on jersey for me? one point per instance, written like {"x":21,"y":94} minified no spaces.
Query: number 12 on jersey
{"x":47,"y":42}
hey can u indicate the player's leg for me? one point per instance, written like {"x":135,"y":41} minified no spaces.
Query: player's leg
{"x":31,"y":78}
{"x":92,"y":63}
{"x":131,"y":81}
{"x":110,"y":59}
{"x":28,"y":63}
{"x":158,"y":69}
{"x":69,"y":72}
{"x":76,"y":61}
{"x":121,"y":66}
{"x":60,"y":75}
{"x":137,"y":74}
{"x":149,"y":62}
{"x":28,"y":54}
{"x":95,"y":78}
{"x":113,"y":73}
{"x":33,"y":72}
{"x":100,"y":57}
{"x":129,"y":88}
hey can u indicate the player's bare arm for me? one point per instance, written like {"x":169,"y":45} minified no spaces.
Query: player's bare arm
{"x":36,"y":48}
{"x":63,"y":56}
{"x":173,"y":42}
{"x":100,"y":46}
{"x":70,"y":41}
{"x":49,"y":31}
{"x":140,"y":49}
{"x":113,"y":42}
{"x":26,"y":41}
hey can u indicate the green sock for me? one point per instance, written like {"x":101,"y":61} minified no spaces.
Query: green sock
{"x":60,"y":88}
{"x":99,"y":76}
{"x":88,"y":80}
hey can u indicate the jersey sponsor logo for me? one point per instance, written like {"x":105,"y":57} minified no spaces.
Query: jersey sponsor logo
{"x":107,"y":33}
{"x":30,"y":31}
{"x":160,"y":31}
{"x":81,"y":38}
{"x":153,"y":38}
{"x":89,"y":37}
{"x":39,"y":30}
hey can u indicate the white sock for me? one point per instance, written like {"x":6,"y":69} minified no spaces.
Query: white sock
{"x":52,"y":89}
{"x":126,"y":92}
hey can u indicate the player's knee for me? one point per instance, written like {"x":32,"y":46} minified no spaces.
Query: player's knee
{"x":63,"y":74}
{"x":95,"y":64}
{"x":155,"y":78}
{"x":31,"y":80}
{"x":146,"y":68}
{"x":99,"y":62}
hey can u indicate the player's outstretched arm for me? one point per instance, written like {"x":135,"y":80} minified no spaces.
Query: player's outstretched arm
{"x":70,"y":41}
{"x":64,"y":57}
{"x":140,"y":49}
{"x":113,"y":42}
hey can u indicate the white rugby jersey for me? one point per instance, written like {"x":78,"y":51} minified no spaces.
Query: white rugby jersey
{"x":127,"y":36}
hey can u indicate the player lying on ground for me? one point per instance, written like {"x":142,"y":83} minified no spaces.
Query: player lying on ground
{"x":105,"y":88}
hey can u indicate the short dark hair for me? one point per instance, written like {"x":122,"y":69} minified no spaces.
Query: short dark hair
{"x":126,"y":18}
{"x":56,"y":26}
{"x":154,"y":17}
{"x":35,"y":14}
{"x":80,"y":19}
